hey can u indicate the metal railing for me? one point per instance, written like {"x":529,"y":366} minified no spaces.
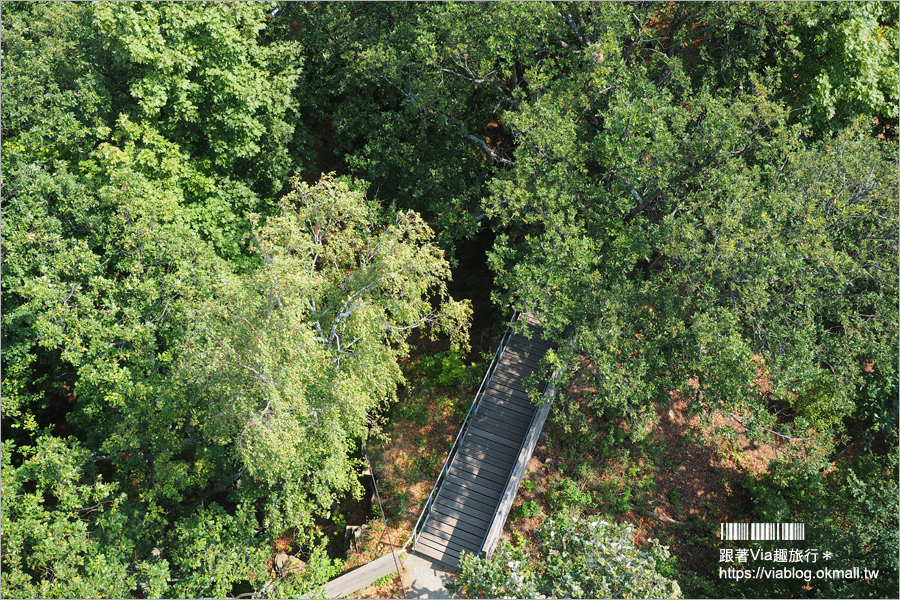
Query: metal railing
{"x":473,"y":409}
{"x":498,"y":520}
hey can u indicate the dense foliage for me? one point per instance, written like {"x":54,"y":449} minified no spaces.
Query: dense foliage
{"x":222,"y":220}
{"x":587,"y":558}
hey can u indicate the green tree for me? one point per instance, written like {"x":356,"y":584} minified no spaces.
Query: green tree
{"x":576,"y":558}
{"x":94,"y":283}
{"x":829,"y":62}
{"x":290,"y":364}
{"x":840,"y":62}
{"x":851,"y":512}
{"x":361,"y":60}
{"x":202,"y":395}
{"x":692,"y":233}
{"x":63,"y":534}
{"x":412,"y":95}
{"x":193,"y":94}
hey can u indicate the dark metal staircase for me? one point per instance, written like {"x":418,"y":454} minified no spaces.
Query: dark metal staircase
{"x":474,"y":493}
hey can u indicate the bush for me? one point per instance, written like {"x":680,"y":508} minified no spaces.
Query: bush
{"x":567,"y":497}
{"x":577,"y":559}
{"x":450,"y":370}
{"x":528,"y":510}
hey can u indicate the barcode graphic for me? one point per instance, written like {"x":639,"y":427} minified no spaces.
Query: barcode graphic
{"x":762,"y":531}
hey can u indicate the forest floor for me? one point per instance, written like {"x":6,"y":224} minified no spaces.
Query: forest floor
{"x":676,"y":485}
{"x":418,"y":435}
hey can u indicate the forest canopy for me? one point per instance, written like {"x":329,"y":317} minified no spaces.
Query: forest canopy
{"x":223,"y":221}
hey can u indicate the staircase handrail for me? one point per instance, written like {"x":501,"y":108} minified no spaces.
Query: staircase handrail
{"x":517,"y":473}
{"x":485,"y":383}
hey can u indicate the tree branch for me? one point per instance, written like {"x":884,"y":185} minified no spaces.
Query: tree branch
{"x":781,"y":435}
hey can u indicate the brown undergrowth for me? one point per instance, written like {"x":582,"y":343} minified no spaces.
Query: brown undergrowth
{"x":684,"y":478}
{"x":676,"y":485}
{"x":419,"y":433}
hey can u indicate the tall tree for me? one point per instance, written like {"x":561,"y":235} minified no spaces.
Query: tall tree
{"x":195,"y":385}
{"x":192,"y":93}
{"x":686,"y":232}
{"x":289,"y":365}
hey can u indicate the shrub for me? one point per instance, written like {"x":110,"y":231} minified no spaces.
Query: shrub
{"x":449,"y":369}
{"x":577,"y":558}
{"x":528,"y":510}
{"x":566,"y":496}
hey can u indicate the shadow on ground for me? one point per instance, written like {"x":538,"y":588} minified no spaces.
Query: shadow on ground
{"x":425,"y":579}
